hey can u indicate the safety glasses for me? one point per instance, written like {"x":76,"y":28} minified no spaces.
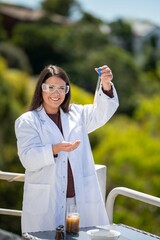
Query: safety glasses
{"x":51,"y":88}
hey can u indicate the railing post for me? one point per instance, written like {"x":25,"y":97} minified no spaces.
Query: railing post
{"x":143,"y":197}
{"x":101,"y":171}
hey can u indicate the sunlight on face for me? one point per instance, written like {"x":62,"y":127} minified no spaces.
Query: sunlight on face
{"x":53,"y":94}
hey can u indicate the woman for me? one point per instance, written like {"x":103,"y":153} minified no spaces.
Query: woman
{"x":54,"y":148}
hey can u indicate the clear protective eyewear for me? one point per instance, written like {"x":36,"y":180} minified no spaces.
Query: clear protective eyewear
{"x":51,"y":88}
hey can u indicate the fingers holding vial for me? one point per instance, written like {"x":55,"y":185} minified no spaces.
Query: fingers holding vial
{"x":106,"y":76}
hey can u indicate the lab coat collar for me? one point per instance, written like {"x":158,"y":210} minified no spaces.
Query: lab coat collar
{"x":50,"y":126}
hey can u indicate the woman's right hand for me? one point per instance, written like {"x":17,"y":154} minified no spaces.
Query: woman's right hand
{"x":65,"y":146}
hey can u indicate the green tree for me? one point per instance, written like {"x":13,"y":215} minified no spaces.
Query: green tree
{"x":62,"y":7}
{"x":148,"y":115}
{"x":41,"y":52}
{"x":88,"y":18}
{"x":15,"y":57}
{"x":3,"y":33}
{"x":72,"y":44}
{"x":122,"y":34}
{"x":152,"y":54}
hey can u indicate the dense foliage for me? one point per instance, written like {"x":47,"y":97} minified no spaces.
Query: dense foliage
{"x":129,"y":144}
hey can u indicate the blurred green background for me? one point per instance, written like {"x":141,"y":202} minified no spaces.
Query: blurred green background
{"x":129,"y":144}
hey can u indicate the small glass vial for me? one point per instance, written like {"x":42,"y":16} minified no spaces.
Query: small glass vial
{"x":59,"y":232}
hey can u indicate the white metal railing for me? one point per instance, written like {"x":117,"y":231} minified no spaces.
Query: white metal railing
{"x":11,"y":177}
{"x":143,"y":197}
{"x":101,"y":172}
{"x":10,"y":212}
{"x":19,"y":177}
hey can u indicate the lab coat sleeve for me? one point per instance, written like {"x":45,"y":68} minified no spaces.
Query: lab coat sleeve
{"x":33,"y":155}
{"x":103,"y":108}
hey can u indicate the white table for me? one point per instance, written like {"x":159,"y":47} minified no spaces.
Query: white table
{"x":127,"y":233}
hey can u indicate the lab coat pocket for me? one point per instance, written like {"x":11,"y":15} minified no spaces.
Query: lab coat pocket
{"x":92,"y":194}
{"x":36,"y":198}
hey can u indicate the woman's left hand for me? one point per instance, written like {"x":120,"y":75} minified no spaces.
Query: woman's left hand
{"x":106,"y":77}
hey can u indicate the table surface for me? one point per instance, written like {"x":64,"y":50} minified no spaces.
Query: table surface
{"x":127,"y":233}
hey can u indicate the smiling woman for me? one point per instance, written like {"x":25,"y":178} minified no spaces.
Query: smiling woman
{"x":53,"y":146}
{"x":54,"y":90}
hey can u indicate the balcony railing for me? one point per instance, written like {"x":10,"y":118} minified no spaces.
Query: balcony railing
{"x":130,"y":193}
{"x":101,"y":173}
{"x":18,"y":177}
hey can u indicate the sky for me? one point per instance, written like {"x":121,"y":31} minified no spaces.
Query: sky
{"x":110,"y":10}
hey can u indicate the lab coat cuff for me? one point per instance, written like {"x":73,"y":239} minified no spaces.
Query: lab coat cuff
{"x":48,"y":154}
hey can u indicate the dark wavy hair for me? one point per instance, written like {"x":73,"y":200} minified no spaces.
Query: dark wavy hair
{"x":46,"y":73}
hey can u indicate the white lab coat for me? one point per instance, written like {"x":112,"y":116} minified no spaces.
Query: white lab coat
{"x":44,"y":199}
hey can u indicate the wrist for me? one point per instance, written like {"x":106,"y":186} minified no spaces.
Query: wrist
{"x":55,"y":150}
{"x":107,"y":86}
